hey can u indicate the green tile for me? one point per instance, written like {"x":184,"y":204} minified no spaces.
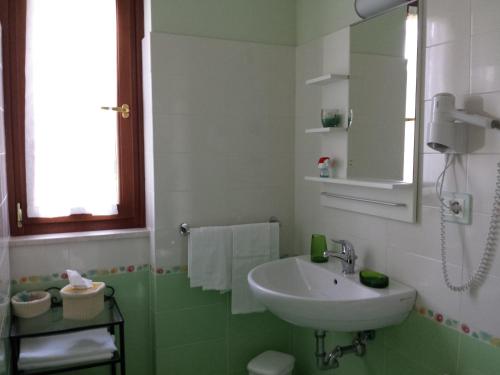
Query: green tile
{"x":424,"y":341}
{"x":399,"y":364}
{"x":257,"y":323}
{"x":252,"y":334}
{"x":477,"y":358}
{"x":90,"y":371}
{"x":139,"y":359}
{"x":137,"y":326}
{"x":303,"y":348}
{"x":173,"y":292}
{"x":202,"y":358}
{"x":181,"y":327}
{"x":304,"y":345}
{"x":131,"y":289}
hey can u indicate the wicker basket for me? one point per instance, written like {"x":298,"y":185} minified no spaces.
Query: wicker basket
{"x":83,"y":304}
{"x":29,"y":309}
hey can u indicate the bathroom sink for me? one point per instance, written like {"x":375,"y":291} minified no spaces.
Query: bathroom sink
{"x":319,"y":296}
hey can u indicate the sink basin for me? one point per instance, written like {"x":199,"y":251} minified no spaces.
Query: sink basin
{"x":320,"y":296}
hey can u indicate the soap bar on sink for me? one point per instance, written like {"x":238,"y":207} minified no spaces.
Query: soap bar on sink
{"x":373,"y":279}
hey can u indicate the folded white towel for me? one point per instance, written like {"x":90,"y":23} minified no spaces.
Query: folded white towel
{"x":209,"y":258}
{"x":253,"y":244}
{"x":63,"y":347}
{"x":65,"y":362}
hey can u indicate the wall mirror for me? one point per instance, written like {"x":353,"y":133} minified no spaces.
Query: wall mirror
{"x":383,"y":96}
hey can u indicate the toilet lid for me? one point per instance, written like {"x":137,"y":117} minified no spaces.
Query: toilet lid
{"x":271,"y":363}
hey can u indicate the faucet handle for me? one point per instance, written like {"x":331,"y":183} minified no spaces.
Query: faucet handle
{"x":342,"y":243}
{"x":347,"y":247}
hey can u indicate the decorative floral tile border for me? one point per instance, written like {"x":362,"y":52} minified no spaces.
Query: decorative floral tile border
{"x":461,"y":327}
{"x":161,"y":271}
{"x":91,"y":273}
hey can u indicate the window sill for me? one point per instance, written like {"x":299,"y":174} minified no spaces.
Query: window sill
{"x":58,"y":238}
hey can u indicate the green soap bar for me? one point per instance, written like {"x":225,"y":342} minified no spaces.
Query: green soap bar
{"x":373,"y":279}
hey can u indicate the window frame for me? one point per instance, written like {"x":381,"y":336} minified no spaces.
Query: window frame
{"x":131,"y":209}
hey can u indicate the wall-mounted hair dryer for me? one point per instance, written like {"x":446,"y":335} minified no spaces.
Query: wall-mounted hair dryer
{"x":447,"y":131}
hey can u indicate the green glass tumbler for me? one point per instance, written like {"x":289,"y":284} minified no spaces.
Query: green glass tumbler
{"x":318,"y":247}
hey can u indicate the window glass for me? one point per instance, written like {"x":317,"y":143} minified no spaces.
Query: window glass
{"x":71,"y":143}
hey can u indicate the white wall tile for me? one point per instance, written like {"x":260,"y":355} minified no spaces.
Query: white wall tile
{"x":425,"y":275}
{"x":485,"y":16}
{"x":485,"y":62}
{"x":481,"y":181}
{"x":475,"y":242}
{"x":91,"y":255}
{"x":480,"y":307}
{"x":447,"y":21}
{"x":423,"y":238}
{"x":224,"y":136}
{"x":447,"y":70}
{"x":433,"y":165}
{"x":38,"y":260}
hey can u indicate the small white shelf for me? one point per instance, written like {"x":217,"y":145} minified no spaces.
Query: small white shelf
{"x":325,"y":130}
{"x":378,"y":184}
{"x":327,"y":79}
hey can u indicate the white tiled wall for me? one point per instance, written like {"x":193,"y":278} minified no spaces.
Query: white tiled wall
{"x":4,"y":232}
{"x":462,"y":57}
{"x":223,"y":136}
{"x":83,"y":254}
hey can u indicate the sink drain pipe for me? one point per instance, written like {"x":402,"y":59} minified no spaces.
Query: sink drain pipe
{"x":328,"y":361}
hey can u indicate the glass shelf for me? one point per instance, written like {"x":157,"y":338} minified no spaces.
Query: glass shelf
{"x":52,"y":322}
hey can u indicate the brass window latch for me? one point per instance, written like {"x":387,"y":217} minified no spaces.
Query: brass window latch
{"x":19,"y":215}
{"x":124,"y":109}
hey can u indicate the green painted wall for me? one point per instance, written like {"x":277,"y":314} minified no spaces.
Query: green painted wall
{"x":317,"y":18}
{"x":419,"y":346}
{"x":132,"y":294}
{"x":196,"y":334}
{"x":264,"y":21}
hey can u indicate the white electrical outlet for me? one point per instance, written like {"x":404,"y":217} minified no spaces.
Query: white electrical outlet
{"x":458,"y":208}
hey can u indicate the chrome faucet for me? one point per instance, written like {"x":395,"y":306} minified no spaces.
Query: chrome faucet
{"x":347,"y":256}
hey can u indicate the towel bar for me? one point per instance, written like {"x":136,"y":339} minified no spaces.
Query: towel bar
{"x":185,"y":228}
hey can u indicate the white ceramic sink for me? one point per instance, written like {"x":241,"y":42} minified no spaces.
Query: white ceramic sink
{"x":319,"y":296}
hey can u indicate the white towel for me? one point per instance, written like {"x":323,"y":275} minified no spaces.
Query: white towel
{"x":253,"y":244}
{"x":209,"y":258}
{"x":53,"y":349}
{"x":65,"y":362}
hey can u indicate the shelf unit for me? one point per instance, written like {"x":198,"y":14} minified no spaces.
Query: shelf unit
{"x":52,"y":323}
{"x":377,"y":184}
{"x":327,"y":79}
{"x":325,"y":130}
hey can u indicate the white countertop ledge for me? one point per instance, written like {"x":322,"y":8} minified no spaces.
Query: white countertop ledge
{"x":49,"y":239}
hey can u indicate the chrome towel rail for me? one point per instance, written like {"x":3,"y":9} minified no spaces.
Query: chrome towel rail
{"x":185,"y":228}
{"x":364,"y":200}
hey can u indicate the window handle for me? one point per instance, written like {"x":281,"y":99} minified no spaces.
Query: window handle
{"x":124,"y":110}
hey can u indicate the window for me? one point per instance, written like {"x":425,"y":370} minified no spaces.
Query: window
{"x":73,"y":114}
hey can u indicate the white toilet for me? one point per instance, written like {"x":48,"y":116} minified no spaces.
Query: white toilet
{"x":271,"y":363}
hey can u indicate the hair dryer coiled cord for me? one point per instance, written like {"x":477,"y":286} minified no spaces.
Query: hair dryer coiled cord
{"x":491,"y":240}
